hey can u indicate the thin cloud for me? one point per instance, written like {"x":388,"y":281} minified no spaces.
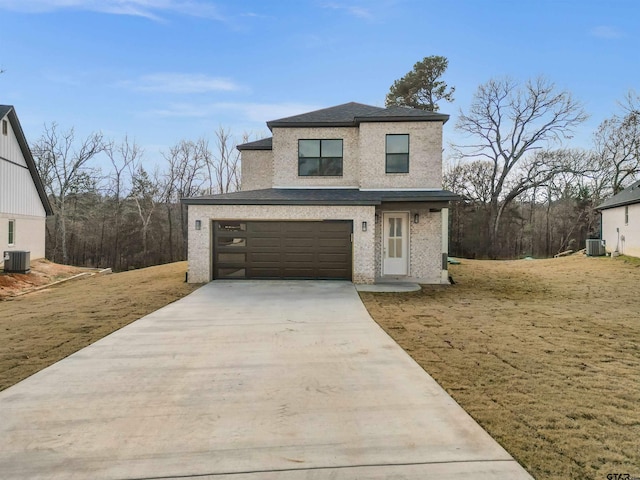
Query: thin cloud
{"x":180,"y":83}
{"x":606,"y":31}
{"x":254,"y":112}
{"x":151,"y":9}
{"x":358,"y":12}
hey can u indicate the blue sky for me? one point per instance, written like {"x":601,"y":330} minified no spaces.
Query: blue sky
{"x":165,"y":70}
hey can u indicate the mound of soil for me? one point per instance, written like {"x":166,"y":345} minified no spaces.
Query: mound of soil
{"x":43,"y":272}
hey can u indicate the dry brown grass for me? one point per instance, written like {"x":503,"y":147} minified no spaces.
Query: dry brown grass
{"x":544,"y":354}
{"x":40,"y":328}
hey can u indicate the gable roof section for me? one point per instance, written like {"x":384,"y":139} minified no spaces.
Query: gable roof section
{"x":628,"y":196}
{"x":262,"y":144}
{"x":321,"y":196}
{"x":352,"y":114}
{"x":10,"y":112}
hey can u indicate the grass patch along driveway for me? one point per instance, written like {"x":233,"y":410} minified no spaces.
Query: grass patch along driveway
{"x":42,"y":327}
{"x":544,"y":354}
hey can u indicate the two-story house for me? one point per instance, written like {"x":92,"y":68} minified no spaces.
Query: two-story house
{"x":349,"y":192}
{"x":23,"y":202}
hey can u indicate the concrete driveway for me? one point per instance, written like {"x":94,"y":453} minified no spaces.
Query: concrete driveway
{"x":245,"y":381}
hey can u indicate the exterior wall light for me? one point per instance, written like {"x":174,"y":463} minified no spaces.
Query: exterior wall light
{"x":416,"y":218}
{"x":364,"y":226}
{"x":198,"y":224}
{"x":377,"y":218}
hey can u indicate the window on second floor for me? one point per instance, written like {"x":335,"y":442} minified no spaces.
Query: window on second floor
{"x":320,"y":158}
{"x":626,"y":214}
{"x":12,"y":232}
{"x":397,"y":153}
{"x":5,"y":127}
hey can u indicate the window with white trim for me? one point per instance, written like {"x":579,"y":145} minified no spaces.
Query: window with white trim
{"x":5,"y":127}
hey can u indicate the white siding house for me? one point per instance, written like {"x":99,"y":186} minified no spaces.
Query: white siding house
{"x":621,"y":221}
{"x":23,"y":202}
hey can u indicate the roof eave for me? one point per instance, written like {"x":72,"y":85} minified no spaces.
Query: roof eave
{"x":304,"y":124}
{"x":242,"y":149}
{"x":431,"y":118}
{"x":357,"y":121}
{"x":426,"y":199}
{"x":228,"y":201}
{"x":618,"y":204}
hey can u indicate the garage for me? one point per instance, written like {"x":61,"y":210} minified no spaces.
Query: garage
{"x":282,"y":249}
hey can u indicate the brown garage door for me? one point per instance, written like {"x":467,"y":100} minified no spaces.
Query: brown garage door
{"x":284,"y":250}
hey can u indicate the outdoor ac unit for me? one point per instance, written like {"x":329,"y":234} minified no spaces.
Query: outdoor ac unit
{"x":17,"y":261}
{"x":595,"y":247}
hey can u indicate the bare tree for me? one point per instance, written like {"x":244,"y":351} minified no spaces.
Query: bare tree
{"x":617,"y":146}
{"x":507,"y":121}
{"x":121,"y":156}
{"x":63,"y":166}
{"x":144,"y":193}
{"x":224,"y":165}
{"x":185,"y":177}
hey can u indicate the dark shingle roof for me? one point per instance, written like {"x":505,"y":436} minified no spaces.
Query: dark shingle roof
{"x":628,"y":196}
{"x":321,"y":196}
{"x":9,"y":112}
{"x":262,"y":144}
{"x":352,"y":114}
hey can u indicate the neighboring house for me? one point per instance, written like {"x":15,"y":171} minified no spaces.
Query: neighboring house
{"x":621,"y":221}
{"x":23,"y":202}
{"x":350,"y":192}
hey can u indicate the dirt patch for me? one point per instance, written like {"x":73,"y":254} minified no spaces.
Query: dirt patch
{"x":40,"y":328}
{"x":43,"y":272}
{"x":544,"y":354}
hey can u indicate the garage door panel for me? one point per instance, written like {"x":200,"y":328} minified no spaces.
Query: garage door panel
{"x":295,"y":249}
{"x":301,"y":257}
{"x":337,"y":258}
{"x":263,"y":227}
{"x":231,"y":272}
{"x":299,"y":228}
{"x":263,"y":257}
{"x":291,"y":243}
{"x":264,"y":242}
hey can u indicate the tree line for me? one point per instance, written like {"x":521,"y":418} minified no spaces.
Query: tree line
{"x":524,"y":191}
{"x":122,"y":214}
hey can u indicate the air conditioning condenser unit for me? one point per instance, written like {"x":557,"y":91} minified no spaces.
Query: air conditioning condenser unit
{"x":595,"y":247}
{"x":17,"y":261}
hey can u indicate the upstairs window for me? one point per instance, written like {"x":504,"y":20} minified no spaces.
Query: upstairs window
{"x":397,"y":154}
{"x":5,"y":127}
{"x":626,"y":214}
{"x":320,"y":158}
{"x":12,"y":232}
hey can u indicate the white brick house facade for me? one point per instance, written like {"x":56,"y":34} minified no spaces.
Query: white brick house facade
{"x":397,"y":218}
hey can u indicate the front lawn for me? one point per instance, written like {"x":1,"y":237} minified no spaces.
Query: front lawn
{"x":544,"y":354}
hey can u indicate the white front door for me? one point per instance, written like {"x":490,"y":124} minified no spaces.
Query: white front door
{"x":394,"y":243}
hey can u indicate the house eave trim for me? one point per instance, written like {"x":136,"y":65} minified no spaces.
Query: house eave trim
{"x":196,"y":201}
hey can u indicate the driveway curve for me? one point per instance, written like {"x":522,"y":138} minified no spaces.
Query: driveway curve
{"x":244,"y":380}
